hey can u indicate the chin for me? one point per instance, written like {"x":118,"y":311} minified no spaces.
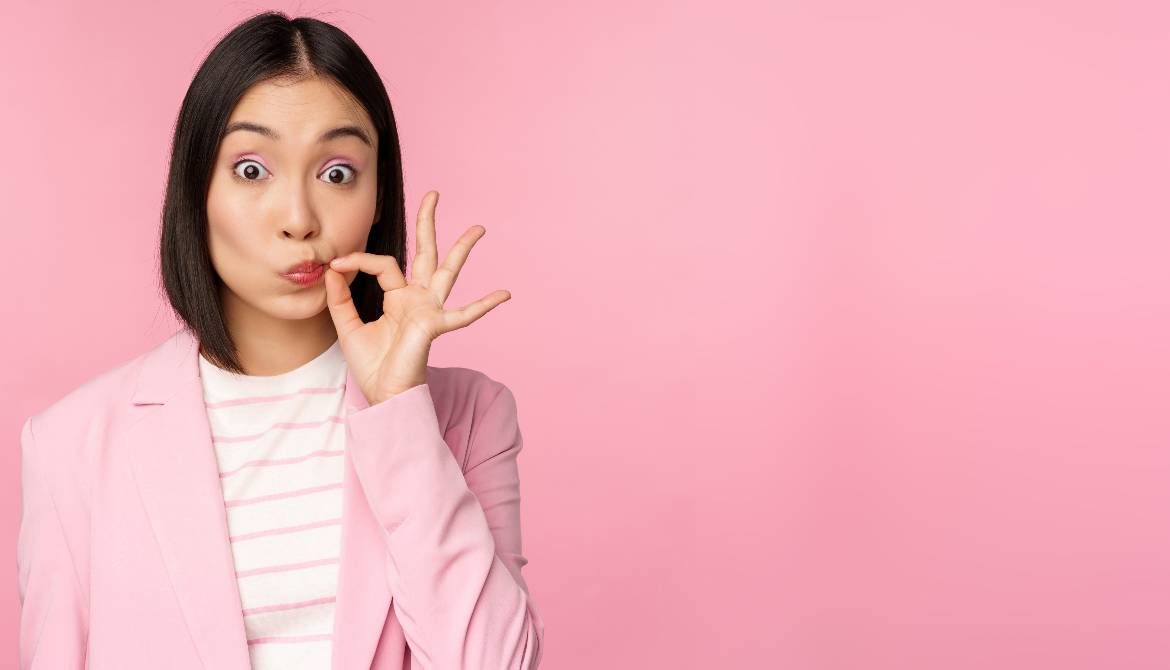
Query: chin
{"x":303,"y":304}
{"x":286,"y":302}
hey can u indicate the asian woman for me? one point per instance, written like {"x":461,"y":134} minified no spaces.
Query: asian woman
{"x":284,"y":482}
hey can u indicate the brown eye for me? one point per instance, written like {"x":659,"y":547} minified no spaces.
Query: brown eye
{"x":252,"y":171}
{"x":339,"y":174}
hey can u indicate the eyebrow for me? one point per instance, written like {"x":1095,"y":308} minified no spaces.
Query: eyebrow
{"x":340,"y":131}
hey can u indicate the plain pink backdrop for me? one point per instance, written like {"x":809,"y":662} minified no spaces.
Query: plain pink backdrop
{"x":840,"y":331}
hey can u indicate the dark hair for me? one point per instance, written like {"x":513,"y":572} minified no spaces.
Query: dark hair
{"x":266,"y":46}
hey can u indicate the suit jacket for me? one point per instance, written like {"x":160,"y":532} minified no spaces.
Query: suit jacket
{"x":123,"y":556}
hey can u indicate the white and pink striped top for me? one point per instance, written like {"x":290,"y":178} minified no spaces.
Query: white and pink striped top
{"x":280,"y":441}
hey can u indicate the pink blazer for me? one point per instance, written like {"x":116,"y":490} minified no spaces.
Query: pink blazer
{"x":123,"y":555}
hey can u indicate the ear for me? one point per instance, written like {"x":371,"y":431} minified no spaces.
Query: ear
{"x":378,"y":208}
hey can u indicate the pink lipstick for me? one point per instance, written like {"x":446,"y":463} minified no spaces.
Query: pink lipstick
{"x":305,"y":274}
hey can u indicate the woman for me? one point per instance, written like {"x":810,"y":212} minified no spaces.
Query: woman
{"x":284,"y":482}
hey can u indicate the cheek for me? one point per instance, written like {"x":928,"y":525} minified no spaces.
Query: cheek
{"x":352,"y":232}
{"x":230,"y":235}
{"x":228,"y":247}
{"x":348,"y":225}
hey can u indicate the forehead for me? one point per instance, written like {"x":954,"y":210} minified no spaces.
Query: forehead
{"x":300,"y":109}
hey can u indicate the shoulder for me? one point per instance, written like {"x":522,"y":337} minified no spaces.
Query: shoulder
{"x":98,"y":401}
{"x":464,"y":391}
{"x":477,"y":412}
{"x":61,"y":443}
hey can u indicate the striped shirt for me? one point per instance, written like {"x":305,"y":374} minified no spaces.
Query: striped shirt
{"x":280,"y":441}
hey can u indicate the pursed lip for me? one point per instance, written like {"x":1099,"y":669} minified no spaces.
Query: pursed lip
{"x":305,"y":267}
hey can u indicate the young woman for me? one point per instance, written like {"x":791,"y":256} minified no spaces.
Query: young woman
{"x":284,"y":482}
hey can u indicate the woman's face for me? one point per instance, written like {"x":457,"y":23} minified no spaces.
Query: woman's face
{"x":285,"y":190}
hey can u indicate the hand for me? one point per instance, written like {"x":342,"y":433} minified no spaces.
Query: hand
{"x":389,"y":355}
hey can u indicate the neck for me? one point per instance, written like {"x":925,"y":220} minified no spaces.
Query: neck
{"x":268,"y":345}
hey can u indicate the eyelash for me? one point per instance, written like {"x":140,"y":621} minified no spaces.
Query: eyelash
{"x":245,"y":180}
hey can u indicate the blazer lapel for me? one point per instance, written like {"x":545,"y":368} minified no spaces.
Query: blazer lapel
{"x":363,"y":593}
{"x":178,"y":476}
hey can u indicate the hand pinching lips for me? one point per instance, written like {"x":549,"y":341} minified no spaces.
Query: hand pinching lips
{"x":389,"y":355}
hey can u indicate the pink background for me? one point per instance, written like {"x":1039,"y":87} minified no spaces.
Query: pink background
{"x":840,"y":331}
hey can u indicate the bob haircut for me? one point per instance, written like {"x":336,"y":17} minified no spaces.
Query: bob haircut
{"x":266,"y":46}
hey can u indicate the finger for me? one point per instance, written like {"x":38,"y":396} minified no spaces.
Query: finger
{"x":444,"y":278}
{"x":385,"y":268}
{"x":340,"y":302}
{"x":454,"y":319}
{"x":425,"y":253}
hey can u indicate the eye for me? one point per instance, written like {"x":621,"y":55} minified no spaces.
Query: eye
{"x":336,"y":174}
{"x":251,"y":172}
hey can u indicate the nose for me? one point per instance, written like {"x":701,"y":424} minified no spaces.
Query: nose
{"x":299,"y":220}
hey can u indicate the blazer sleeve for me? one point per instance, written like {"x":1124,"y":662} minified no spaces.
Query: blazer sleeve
{"x":54,"y":609}
{"x":454,"y":537}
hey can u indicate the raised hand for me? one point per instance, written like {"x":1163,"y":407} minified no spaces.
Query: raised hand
{"x":389,"y":355}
